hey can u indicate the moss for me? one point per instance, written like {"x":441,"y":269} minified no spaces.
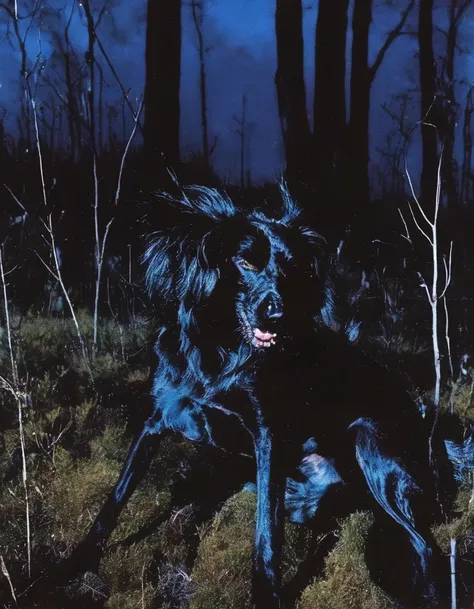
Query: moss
{"x":223,"y":569}
{"x":131,"y":599}
{"x":222,"y":572}
{"x":75,"y":492}
{"x":347,"y":581}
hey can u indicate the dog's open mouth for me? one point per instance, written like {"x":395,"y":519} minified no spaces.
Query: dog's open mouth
{"x":263,"y":339}
{"x":256,"y":337}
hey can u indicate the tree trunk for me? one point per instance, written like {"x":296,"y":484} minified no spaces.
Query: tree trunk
{"x":466,"y":174}
{"x":329,"y":95}
{"x":290,"y":85}
{"x":428,"y":100}
{"x":449,"y":167}
{"x":243,"y":142}
{"x":198,"y":20}
{"x":362,"y":77}
{"x":90,"y":61}
{"x":162,"y":82}
{"x":360,"y":103}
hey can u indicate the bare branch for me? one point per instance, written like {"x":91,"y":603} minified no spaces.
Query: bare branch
{"x":125,"y":152}
{"x":447,"y":270}
{"x":407,"y":236}
{"x":16,"y":199}
{"x":117,"y":78}
{"x":392,"y":35}
{"x":5,"y":572}
{"x":418,"y":226}
{"x":424,"y":285}
{"x":415,"y":197}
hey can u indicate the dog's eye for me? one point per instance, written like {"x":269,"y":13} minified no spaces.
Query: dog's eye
{"x":246,"y":265}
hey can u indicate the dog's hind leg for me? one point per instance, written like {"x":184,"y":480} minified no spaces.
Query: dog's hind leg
{"x":266,"y":581}
{"x":402,"y":497}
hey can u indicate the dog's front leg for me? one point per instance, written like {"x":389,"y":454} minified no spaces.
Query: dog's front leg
{"x":266,"y":582}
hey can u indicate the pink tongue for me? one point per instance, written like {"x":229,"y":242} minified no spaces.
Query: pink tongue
{"x":265,"y":336}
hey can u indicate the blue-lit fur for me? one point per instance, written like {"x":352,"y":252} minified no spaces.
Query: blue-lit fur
{"x":328,"y":429}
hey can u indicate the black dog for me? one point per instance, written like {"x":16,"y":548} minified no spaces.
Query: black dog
{"x":246,"y":364}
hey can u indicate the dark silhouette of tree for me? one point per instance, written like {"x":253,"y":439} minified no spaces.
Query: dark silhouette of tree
{"x":329,"y":107}
{"x":362,"y":77}
{"x":449,"y":106}
{"x":71,"y":80}
{"x":90,"y":62}
{"x":241,"y":131}
{"x":198,"y":19}
{"x":467,"y":181}
{"x":162,"y":81}
{"x":428,"y":102}
{"x":290,"y":85}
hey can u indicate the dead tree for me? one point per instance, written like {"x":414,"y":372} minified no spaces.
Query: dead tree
{"x":198,"y":20}
{"x":467,"y":181}
{"x":241,"y":131}
{"x":428,"y":101}
{"x":329,"y":108}
{"x":290,"y":85}
{"x":449,"y":107}
{"x":362,"y":78}
{"x":162,"y":82}
{"x":21,"y":35}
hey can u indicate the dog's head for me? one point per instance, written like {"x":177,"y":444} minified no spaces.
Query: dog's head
{"x":230,"y":273}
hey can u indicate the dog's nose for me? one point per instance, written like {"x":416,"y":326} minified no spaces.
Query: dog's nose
{"x":272,"y":307}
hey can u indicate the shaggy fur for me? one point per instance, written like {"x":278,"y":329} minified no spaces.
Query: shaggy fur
{"x":247,"y":364}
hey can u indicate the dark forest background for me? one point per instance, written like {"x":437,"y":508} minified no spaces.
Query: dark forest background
{"x":102,"y":105}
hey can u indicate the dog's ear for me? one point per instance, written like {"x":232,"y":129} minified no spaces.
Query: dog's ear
{"x":290,"y":210}
{"x":221,"y":243}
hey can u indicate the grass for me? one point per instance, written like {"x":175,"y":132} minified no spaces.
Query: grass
{"x":77,"y":434}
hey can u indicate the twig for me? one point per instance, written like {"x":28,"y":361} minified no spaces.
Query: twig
{"x":20,"y":400}
{"x":125,"y":152}
{"x":117,"y":78}
{"x":99,"y":254}
{"x":4,"y":569}
{"x":56,"y":273}
{"x":38,"y":147}
{"x":407,"y":236}
{"x":142,"y":579}
{"x":7,"y":321}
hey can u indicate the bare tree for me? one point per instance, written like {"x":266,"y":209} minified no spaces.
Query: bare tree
{"x":433,"y":292}
{"x":242,"y":133}
{"x":21,"y":35}
{"x":450,"y":108}
{"x":290,"y":85}
{"x":467,"y":181}
{"x":162,"y":81}
{"x":21,"y":398}
{"x":198,"y":20}
{"x":428,"y":101}
{"x":329,"y":108}
{"x":362,"y":78}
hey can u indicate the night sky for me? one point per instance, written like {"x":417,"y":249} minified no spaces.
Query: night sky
{"x":241,"y":59}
